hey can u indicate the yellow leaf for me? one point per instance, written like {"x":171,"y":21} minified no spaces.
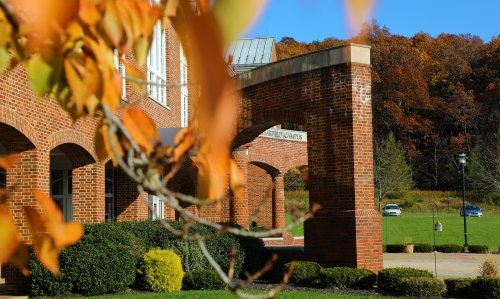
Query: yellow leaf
{"x":234,"y":16}
{"x":9,"y":237}
{"x":141,"y":50}
{"x":4,"y":59}
{"x":39,"y":75}
{"x":100,"y":147}
{"x":141,"y":128}
{"x":111,"y":23}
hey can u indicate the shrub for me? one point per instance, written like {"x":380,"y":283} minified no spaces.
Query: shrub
{"x":388,"y":279}
{"x":221,"y":246}
{"x":420,"y":287}
{"x":486,"y":287}
{"x":449,"y":248}
{"x":457,"y":287}
{"x":43,"y":283}
{"x":304,"y":273}
{"x":489,"y":267}
{"x":255,"y":254}
{"x":104,"y":261}
{"x":394,"y":248}
{"x":423,"y":247}
{"x":478,"y":248}
{"x":344,"y":277}
{"x":160,"y":270}
{"x":202,"y":280}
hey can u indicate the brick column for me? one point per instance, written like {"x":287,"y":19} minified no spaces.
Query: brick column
{"x":88,"y":193}
{"x":239,"y":211}
{"x":278,"y":200}
{"x":347,"y":229}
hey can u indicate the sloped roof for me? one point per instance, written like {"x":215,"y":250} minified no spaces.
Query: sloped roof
{"x":249,"y":53}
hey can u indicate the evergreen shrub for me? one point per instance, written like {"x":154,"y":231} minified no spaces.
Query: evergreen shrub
{"x":394,"y":248}
{"x":423,"y":247}
{"x":486,"y":287}
{"x":389,"y":278}
{"x":449,"y":248}
{"x":478,"y":248}
{"x":205,"y":279}
{"x":423,"y":287}
{"x":160,"y":270}
{"x":344,"y":277}
{"x":457,"y":287}
{"x":304,"y":273}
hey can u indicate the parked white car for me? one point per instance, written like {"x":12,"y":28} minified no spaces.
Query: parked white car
{"x":391,"y":209}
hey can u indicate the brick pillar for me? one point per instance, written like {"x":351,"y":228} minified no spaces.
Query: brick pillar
{"x":347,"y":230}
{"x":239,"y":211}
{"x":129,"y":204}
{"x":88,"y":193}
{"x":278,"y":200}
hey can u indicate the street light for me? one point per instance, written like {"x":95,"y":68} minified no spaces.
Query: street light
{"x":462,"y":161}
{"x":437,"y":227}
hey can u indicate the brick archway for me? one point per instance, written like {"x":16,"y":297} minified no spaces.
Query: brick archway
{"x":14,"y":120}
{"x":63,"y":138}
{"x":329,"y":92}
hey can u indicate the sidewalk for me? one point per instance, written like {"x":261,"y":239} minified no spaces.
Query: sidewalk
{"x":448,"y":264}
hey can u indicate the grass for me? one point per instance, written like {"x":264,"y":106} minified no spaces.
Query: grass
{"x":416,"y":221}
{"x":229,"y":295}
{"x":483,"y":230}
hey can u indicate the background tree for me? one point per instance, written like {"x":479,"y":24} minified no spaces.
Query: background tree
{"x":392,"y":172}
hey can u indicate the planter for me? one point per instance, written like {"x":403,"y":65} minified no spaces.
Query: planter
{"x":409,"y":248}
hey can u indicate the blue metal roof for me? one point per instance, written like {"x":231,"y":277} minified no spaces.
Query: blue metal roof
{"x":249,"y":53}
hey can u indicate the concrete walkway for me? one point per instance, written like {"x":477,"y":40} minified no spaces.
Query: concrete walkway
{"x":448,"y":264}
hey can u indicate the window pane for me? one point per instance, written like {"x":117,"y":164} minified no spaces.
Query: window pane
{"x":56,"y":182}
{"x":3,"y":178}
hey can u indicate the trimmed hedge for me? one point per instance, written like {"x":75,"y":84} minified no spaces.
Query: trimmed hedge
{"x":486,"y":287}
{"x":160,"y":270}
{"x":304,"y":273}
{"x":478,"y":248}
{"x":449,"y":248}
{"x":105,"y":260}
{"x":390,"y":278}
{"x":394,"y":248}
{"x":202,"y":280}
{"x":458,"y":287}
{"x":423,"y":247}
{"x":344,"y":277}
{"x":423,"y":287}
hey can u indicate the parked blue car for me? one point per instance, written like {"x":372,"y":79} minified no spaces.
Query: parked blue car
{"x":472,"y":211}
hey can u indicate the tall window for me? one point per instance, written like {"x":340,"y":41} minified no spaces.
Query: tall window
{"x":109,"y":193}
{"x":156,"y":210}
{"x":120,"y":67}
{"x":157,"y":66}
{"x":3,"y":178}
{"x":184,"y":90}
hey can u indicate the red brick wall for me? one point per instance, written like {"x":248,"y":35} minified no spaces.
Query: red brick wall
{"x":34,"y":127}
{"x":334,"y":105}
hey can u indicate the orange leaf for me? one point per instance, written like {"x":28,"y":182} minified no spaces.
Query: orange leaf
{"x":236,"y":179}
{"x":7,"y":161}
{"x":88,"y":12}
{"x":134,"y":72}
{"x":184,"y":141}
{"x":111,"y":23}
{"x":9,"y":237}
{"x":141,"y":128}
{"x":49,"y":232}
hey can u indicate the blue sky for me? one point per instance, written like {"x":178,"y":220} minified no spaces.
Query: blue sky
{"x":308,"y":20}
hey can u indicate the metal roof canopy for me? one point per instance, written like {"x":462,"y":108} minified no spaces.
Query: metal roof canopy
{"x":250,"y":53}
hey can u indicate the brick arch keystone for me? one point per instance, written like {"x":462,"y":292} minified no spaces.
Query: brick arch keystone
{"x":13,"y":119}
{"x":330,"y":92}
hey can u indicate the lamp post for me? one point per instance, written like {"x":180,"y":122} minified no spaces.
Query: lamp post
{"x":437,"y":227}
{"x":462,"y":161}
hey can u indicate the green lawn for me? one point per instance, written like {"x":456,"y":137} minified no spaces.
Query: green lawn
{"x":297,"y":230}
{"x":229,"y":295}
{"x":484,"y":230}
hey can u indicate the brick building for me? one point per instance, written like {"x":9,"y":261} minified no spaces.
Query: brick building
{"x":57,"y":154}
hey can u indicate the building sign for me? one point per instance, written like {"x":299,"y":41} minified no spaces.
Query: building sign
{"x":285,"y":134}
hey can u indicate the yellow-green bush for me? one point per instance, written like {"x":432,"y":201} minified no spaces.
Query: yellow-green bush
{"x":160,"y":270}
